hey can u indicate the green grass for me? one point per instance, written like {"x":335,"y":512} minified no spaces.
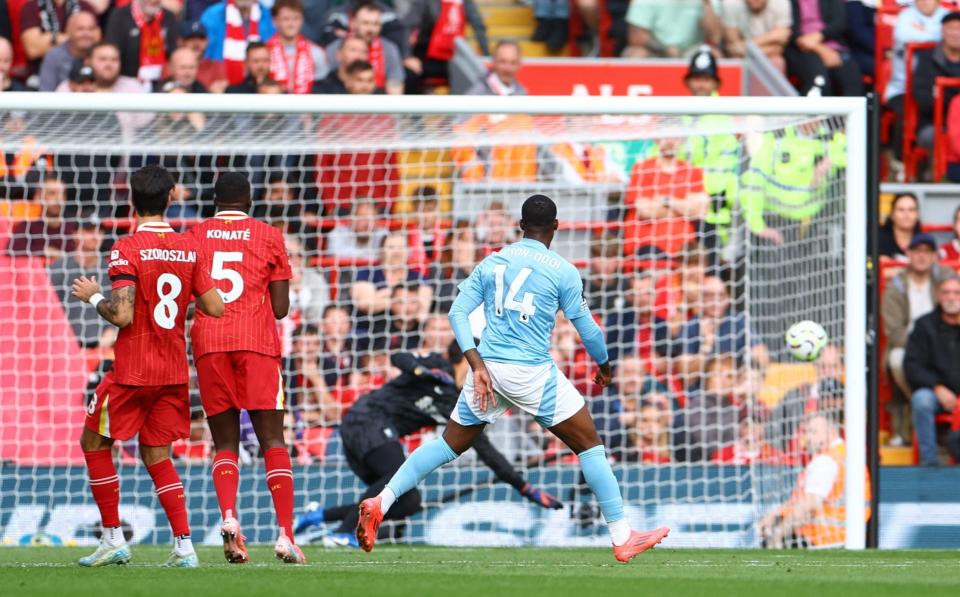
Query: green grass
{"x":429,"y":571}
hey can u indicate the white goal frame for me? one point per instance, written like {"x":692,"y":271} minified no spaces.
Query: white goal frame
{"x":854,"y":110}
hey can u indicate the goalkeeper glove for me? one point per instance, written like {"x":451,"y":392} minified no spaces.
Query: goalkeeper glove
{"x":540,"y":498}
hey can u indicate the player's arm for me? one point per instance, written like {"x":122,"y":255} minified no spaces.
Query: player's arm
{"x":471,"y":297}
{"x":504,"y":471}
{"x":576,"y":309}
{"x":280,"y":297}
{"x":209,"y":300}
{"x":211,"y":303}
{"x":118,"y":309}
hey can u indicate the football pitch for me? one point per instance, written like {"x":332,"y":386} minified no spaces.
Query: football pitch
{"x":491,"y":572}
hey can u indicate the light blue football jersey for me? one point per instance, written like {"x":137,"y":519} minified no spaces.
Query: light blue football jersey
{"x":522,"y":288}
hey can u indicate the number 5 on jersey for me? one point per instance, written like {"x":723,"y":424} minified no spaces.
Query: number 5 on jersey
{"x":526,"y":307}
{"x":220,"y":272}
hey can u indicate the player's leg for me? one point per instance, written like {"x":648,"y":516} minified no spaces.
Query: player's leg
{"x":579,"y":433}
{"x":218,"y":393}
{"x":167,"y":421}
{"x":383,"y":463}
{"x":225,"y":431}
{"x":111,"y":414}
{"x":259,"y":383}
{"x":105,"y":487}
{"x":268,"y":425}
{"x":457,"y":438}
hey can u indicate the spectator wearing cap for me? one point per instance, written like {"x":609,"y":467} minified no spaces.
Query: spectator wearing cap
{"x":295,"y":61}
{"x":80,"y":78}
{"x":766,"y":23}
{"x":43,"y":24}
{"x":231,"y":25}
{"x":145,"y":33}
{"x":941,"y":61}
{"x":351,"y":50}
{"x":502,"y":78}
{"x":82,"y":32}
{"x":909,"y":295}
{"x":257,"y":66}
{"x":702,"y":78}
{"x":817,"y":50}
{"x":670,"y":29}
{"x":8,"y":83}
{"x":85,"y":259}
{"x":210,"y":73}
{"x":932,"y":354}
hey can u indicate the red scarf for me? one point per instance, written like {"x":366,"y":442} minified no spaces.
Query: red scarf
{"x":379,"y":63}
{"x":152,"y":48}
{"x":450,"y":25}
{"x":300,"y":81}
{"x":235,"y":40}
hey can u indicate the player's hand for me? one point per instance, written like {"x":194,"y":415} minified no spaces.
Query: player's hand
{"x":483,"y":396}
{"x":540,"y":498}
{"x":84,"y":288}
{"x":604,"y":375}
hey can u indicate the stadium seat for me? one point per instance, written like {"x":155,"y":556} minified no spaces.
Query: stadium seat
{"x":885,"y":20}
{"x":912,"y":154}
{"x":940,"y":138}
{"x":780,"y":378}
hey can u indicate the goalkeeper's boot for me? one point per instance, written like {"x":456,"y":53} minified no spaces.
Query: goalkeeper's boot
{"x":233,"y":548}
{"x":371,"y":515}
{"x":311,"y":517}
{"x":335,"y":540}
{"x":288,"y":551}
{"x":176,"y":560}
{"x":639,"y":542}
{"x":106,"y":555}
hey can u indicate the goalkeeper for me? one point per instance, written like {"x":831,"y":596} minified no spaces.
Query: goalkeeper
{"x":423,"y":395}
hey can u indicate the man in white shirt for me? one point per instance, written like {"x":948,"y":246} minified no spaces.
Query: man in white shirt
{"x":502,"y":78}
{"x":908,"y":296}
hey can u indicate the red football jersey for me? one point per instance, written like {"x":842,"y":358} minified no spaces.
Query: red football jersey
{"x":169,"y":269}
{"x":246,"y":255}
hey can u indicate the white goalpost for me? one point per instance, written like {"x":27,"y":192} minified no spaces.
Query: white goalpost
{"x":686,"y":295}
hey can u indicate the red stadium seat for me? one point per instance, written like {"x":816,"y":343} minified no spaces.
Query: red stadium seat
{"x":940,"y":138}
{"x":912,"y":154}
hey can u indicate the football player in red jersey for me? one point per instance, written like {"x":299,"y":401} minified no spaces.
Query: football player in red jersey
{"x":238,"y":357}
{"x":155,"y":273}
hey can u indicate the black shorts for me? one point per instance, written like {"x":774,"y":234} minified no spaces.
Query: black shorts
{"x":360,"y":437}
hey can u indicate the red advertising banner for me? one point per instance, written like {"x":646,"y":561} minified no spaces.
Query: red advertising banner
{"x":617,"y":77}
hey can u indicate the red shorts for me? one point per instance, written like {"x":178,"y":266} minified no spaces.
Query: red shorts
{"x":241,"y":380}
{"x":160,"y":414}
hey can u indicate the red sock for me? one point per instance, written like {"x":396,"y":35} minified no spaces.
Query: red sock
{"x":280,"y":483}
{"x":171,"y":495}
{"x":226,"y":478}
{"x":104,"y":485}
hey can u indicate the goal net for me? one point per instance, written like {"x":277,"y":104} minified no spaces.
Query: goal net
{"x":702,"y":229}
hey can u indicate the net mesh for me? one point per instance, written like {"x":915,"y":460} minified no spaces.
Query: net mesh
{"x":700,"y":239}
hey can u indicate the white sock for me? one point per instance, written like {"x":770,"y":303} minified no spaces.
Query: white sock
{"x":387,"y":498}
{"x":182,"y":545}
{"x":113,"y":536}
{"x":619,"y":531}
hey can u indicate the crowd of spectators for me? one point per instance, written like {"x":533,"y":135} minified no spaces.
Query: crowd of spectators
{"x":372,"y":277}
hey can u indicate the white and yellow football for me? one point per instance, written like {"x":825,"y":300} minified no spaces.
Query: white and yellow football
{"x":805,"y":340}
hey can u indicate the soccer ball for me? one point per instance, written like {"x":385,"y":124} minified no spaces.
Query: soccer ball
{"x":805,"y":340}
